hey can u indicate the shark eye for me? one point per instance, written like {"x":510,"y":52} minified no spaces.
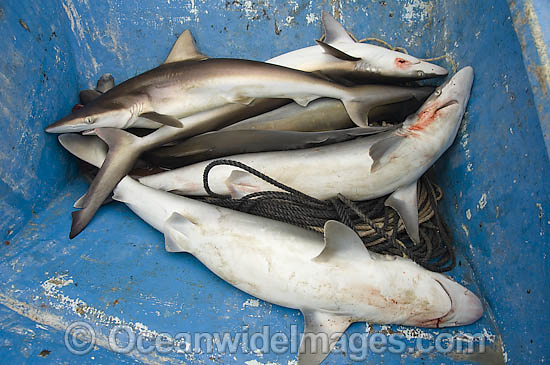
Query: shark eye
{"x":88,"y":120}
{"x":420,"y":73}
{"x":437,"y":92}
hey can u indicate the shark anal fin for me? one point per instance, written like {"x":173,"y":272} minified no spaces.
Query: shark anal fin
{"x":305,"y":100}
{"x":184,"y":49}
{"x":341,"y":242}
{"x":334,"y":31}
{"x":381,"y":151}
{"x":404,"y":201}
{"x":163,"y":119}
{"x":336,"y":52}
{"x":178,"y":231}
{"x":321,"y":333}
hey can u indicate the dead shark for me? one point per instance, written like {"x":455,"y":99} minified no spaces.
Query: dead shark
{"x":364,"y":168}
{"x":184,"y":87}
{"x":125,"y":148}
{"x":329,"y":114}
{"x":225,"y":143}
{"x":342,"y":56}
{"x":333,"y":280}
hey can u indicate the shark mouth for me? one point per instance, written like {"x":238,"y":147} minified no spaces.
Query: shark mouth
{"x":449,"y":103}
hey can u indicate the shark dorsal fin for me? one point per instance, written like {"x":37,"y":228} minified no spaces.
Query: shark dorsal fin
{"x":334,"y":31}
{"x":184,"y":49}
{"x":341,"y":242}
{"x":319,"y":328}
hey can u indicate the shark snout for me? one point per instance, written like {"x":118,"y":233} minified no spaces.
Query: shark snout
{"x":466,"y":308}
{"x":426,"y":70}
{"x":70,"y":123}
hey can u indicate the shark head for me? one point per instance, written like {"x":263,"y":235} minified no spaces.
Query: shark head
{"x":440,"y":301}
{"x":440,"y":115}
{"x":466,"y":308}
{"x":91,"y":116}
{"x":388,"y":63}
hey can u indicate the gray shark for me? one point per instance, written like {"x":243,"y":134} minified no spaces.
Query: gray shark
{"x":212,"y":82}
{"x":226,"y":143}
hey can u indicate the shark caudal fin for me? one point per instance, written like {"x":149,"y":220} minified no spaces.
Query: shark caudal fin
{"x":124,"y":149}
{"x":361,"y":99}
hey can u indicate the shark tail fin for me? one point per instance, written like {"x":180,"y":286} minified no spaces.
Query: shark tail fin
{"x":124,"y":149}
{"x":362,"y":99}
{"x":87,"y":148}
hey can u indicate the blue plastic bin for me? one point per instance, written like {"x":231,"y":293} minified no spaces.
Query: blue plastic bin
{"x":495,"y":178}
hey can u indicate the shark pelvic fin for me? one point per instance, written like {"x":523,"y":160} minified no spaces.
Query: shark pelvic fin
{"x":178,"y":231}
{"x":341,"y":242}
{"x":163,"y":119}
{"x":184,"y":49}
{"x":404,"y":201}
{"x":336,"y":52}
{"x":241,"y":183}
{"x":240,"y":99}
{"x":334,"y":31}
{"x":321,"y":332}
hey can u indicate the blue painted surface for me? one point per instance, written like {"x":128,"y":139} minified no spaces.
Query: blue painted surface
{"x":497,"y":170}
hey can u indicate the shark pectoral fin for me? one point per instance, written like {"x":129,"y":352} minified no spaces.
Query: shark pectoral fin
{"x":184,"y":49}
{"x":81,"y":202}
{"x":341,"y":242}
{"x":333,"y":51}
{"x":178,"y":232}
{"x":305,"y":100}
{"x":163,"y":119}
{"x":86,"y":96}
{"x":241,"y":183}
{"x":404,"y":201}
{"x":334,"y":31}
{"x":381,"y":152}
{"x":321,"y":333}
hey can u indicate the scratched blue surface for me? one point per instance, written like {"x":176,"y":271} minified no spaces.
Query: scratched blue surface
{"x":494,"y":177}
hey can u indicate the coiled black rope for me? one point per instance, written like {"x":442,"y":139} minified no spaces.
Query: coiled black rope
{"x":378,"y":226}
